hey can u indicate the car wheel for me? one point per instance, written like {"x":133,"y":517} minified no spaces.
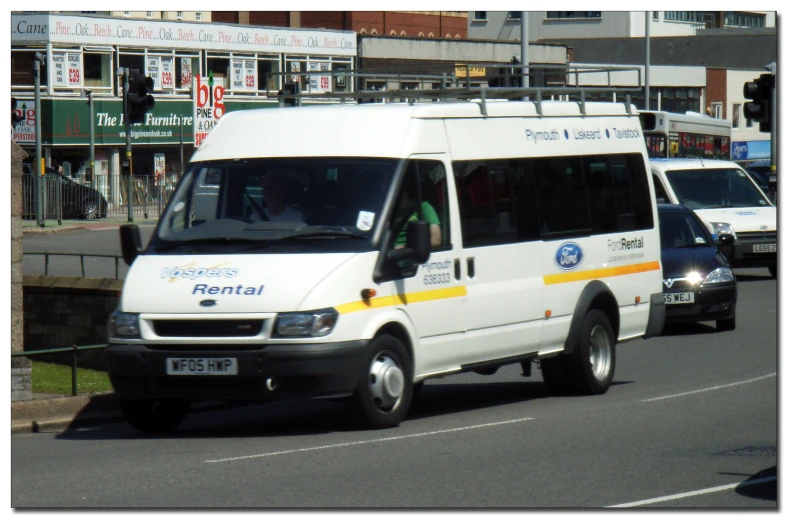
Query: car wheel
{"x":773,"y":271}
{"x":589,"y":368}
{"x":91,"y":210}
{"x":385,"y":385}
{"x":727,"y":325}
{"x":154,"y":416}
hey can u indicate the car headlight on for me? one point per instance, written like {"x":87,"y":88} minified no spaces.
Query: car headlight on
{"x":723,"y":228}
{"x":720,"y":275}
{"x":693,"y":278}
{"x":125,"y":325}
{"x":317,"y":323}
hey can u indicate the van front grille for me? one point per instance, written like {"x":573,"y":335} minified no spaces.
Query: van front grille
{"x":208,"y":328}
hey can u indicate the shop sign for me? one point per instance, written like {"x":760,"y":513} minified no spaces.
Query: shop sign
{"x":461,"y":71}
{"x":25,"y":131}
{"x":208,"y":107}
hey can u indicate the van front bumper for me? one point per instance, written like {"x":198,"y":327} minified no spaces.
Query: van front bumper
{"x":750,"y":250}
{"x":269,"y":372}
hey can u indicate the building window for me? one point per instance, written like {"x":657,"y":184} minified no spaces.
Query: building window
{"x":739,"y":19}
{"x":655,"y":15}
{"x":716,"y":110}
{"x":737,"y":116}
{"x":514,"y":15}
{"x":126,"y":13}
{"x":574,"y":14}
{"x":148,"y":14}
{"x":198,"y":17}
{"x":480,"y":16}
{"x":179,"y":15}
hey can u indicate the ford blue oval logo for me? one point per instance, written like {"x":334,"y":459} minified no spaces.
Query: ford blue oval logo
{"x":208,"y":302}
{"x":568,"y":256}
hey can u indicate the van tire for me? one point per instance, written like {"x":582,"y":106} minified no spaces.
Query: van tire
{"x":589,"y":368}
{"x":154,"y":416}
{"x":385,"y":386}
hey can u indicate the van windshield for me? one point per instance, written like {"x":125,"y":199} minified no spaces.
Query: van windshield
{"x":297,"y":203}
{"x":715,"y":188}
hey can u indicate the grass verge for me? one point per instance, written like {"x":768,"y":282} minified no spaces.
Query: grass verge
{"x":55,"y":378}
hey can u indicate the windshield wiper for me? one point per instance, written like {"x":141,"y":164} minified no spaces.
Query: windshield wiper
{"x":169,"y":245}
{"x":721,"y":206}
{"x":324,"y":234}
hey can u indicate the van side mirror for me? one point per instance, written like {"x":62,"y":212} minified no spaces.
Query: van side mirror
{"x":417,"y":244}
{"x":130,"y":243}
{"x":418,"y":240}
{"x":725,"y":239}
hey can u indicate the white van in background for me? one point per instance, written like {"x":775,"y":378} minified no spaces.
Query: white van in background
{"x":422,"y":241}
{"x":726,"y":198}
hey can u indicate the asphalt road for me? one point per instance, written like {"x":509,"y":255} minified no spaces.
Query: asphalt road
{"x":691,"y":421}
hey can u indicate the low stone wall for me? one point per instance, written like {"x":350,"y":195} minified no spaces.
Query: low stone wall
{"x":65,"y":311}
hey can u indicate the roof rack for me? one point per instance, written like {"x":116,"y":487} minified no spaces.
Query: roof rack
{"x":568,"y":81}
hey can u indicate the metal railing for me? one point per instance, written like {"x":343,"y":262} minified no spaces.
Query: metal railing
{"x":69,"y":198}
{"x":81,"y":256}
{"x":74,"y":353}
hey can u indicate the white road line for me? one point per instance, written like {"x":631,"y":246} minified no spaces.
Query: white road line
{"x":711,"y":388}
{"x":694,"y":493}
{"x":363,"y":442}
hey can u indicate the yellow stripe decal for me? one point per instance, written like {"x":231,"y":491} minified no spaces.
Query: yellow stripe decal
{"x":584,"y":275}
{"x":403,"y":299}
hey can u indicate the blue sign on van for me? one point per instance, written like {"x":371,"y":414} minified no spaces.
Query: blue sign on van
{"x":568,"y":256}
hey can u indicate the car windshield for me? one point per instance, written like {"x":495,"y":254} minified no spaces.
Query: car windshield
{"x":715,"y":188}
{"x":320,"y":203}
{"x":678,"y":229}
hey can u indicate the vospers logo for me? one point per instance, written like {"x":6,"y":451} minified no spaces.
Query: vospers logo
{"x":187,"y":272}
{"x":568,"y":256}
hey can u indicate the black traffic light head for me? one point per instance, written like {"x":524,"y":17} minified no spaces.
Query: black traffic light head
{"x":759,"y":109}
{"x":15,"y":117}
{"x":140,"y":101}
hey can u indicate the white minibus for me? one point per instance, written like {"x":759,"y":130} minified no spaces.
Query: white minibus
{"x":352,"y":252}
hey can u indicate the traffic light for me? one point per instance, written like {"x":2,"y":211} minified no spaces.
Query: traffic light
{"x":140,"y":101}
{"x":15,"y":117}
{"x":761,"y":92}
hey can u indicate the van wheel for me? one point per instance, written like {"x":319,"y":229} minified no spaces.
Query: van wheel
{"x":385,"y":386}
{"x":589,"y":369}
{"x":154,"y":416}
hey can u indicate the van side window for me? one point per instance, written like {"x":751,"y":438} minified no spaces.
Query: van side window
{"x":659,"y":191}
{"x":618,"y":193}
{"x":424,"y":181}
{"x":562,"y":195}
{"x":497,"y":202}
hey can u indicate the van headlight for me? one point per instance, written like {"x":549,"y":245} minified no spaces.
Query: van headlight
{"x":317,"y":323}
{"x":125,"y":325}
{"x":720,"y":275}
{"x":723,"y":228}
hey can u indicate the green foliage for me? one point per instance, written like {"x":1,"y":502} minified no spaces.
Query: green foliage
{"x":54,"y":378}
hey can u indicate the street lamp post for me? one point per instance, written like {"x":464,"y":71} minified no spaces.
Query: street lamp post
{"x":39,"y":168}
{"x":123,"y":71}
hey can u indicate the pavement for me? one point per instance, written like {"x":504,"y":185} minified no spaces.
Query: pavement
{"x":112,"y":221}
{"x":50,"y":412}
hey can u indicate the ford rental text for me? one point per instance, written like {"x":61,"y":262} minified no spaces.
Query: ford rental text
{"x":432,"y":239}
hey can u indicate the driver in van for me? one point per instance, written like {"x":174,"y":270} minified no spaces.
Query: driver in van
{"x":407,"y":211}
{"x":276,"y":210}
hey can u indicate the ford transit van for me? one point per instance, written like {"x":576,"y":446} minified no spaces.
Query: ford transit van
{"x":353,"y":252}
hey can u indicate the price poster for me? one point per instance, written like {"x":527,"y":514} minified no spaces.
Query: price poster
{"x":295,"y":66}
{"x":74,"y":64}
{"x":158,"y":167}
{"x":153,"y":70}
{"x":238,"y":73}
{"x":250,"y":74}
{"x":59,"y":69}
{"x":167,"y":73}
{"x":186,"y":72}
{"x":318,"y":83}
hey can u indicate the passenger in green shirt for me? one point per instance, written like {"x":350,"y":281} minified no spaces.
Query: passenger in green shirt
{"x":407,"y":211}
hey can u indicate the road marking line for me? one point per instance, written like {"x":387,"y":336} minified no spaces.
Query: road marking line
{"x":710,"y":388}
{"x":363,"y":442}
{"x":694,"y":493}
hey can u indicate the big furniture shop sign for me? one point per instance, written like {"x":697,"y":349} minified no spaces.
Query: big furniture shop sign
{"x":183,"y":35}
